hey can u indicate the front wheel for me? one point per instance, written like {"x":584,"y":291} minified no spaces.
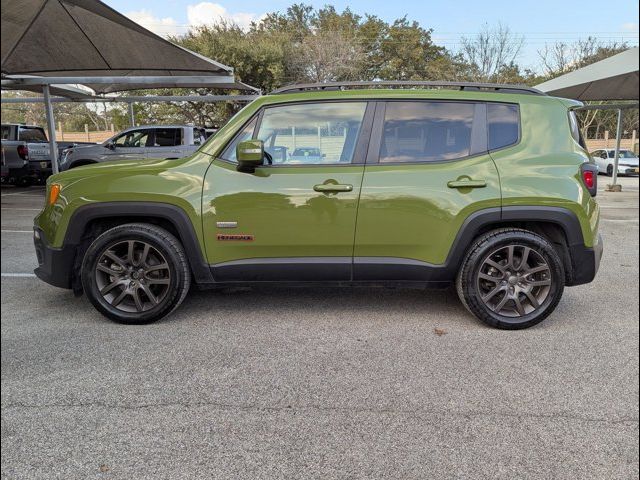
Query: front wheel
{"x":610,"y":170}
{"x":136,"y":273}
{"x":511,"y":279}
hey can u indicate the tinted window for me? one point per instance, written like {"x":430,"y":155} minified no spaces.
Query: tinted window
{"x":503,"y":125}
{"x":133,"y":139}
{"x":245,"y":134}
{"x":167,"y":137}
{"x":198,"y":136}
{"x":426,"y":131}
{"x":7,"y":132}
{"x":31,"y":134}
{"x":311,"y":133}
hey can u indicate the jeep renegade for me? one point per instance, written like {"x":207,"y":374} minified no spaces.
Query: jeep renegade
{"x":419,"y":184}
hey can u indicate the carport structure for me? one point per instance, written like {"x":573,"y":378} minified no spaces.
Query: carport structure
{"x":614,"y":78}
{"x":53,"y":46}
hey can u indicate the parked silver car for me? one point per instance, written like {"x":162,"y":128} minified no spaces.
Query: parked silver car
{"x":169,"y":142}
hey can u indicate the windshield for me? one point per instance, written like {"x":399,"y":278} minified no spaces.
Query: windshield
{"x":627,"y":154}
{"x":31,"y":134}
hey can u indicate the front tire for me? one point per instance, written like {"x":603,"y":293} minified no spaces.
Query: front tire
{"x":610,"y":170}
{"x":511,"y":279}
{"x":136,"y":273}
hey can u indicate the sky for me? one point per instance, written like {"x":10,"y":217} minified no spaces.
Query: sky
{"x":540,"y":22}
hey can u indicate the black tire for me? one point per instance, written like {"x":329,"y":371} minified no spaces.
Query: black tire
{"x":475,"y":290}
{"x":610,"y":170}
{"x":119,"y":290}
{"x":24,"y":182}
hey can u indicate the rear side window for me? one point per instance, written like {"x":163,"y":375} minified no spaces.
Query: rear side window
{"x":575,"y":129}
{"x":426,"y":131}
{"x":503,"y":125}
{"x":168,"y":137}
{"x":198,"y":136}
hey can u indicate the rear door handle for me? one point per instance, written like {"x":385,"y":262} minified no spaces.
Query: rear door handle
{"x":332,"y":187}
{"x":467,"y":184}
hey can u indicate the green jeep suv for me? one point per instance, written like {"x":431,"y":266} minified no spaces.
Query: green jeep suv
{"x":488,"y":187}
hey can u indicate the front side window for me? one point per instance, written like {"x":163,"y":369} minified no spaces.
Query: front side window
{"x":307,"y":134}
{"x":426,"y":131}
{"x":245,"y":134}
{"x":167,"y":137}
{"x":503,"y":125}
{"x":133,"y":139}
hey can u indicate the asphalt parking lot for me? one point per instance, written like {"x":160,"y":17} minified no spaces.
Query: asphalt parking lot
{"x":322,"y":383}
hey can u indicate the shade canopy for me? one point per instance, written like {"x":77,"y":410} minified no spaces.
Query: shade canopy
{"x":86,"y":38}
{"x":614,"y":78}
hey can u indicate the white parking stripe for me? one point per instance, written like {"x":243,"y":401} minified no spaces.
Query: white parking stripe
{"x":619,"y":208}
{"x":16,"y":231}
{"x":20,"y":275}
{"x":29,"y":209}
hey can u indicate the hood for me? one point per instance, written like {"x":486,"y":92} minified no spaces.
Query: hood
{"x":120,"y":167}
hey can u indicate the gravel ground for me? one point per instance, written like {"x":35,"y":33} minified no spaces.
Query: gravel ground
{"x":320,"y":383}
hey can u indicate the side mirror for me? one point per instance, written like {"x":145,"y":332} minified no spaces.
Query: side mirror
{"x":250,"y":154}
{"x":111,"y":145}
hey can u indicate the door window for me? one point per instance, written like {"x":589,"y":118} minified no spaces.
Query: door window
{"x":167,"y":137}
{"x":426,"y":131}
{"x":198,"y":136}
{"x":307,"y":134}
{"x":133,"y":139}
{"x":246,"y":133}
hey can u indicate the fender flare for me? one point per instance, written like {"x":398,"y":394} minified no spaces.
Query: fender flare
{"x":171,"y":213}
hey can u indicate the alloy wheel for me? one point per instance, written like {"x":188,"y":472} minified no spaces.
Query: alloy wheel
{"x":133,"y":276}
{"x":514,"y":281}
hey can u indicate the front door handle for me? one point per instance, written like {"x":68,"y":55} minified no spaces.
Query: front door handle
{"x":332,"y":187}
{"x":467,"y":184}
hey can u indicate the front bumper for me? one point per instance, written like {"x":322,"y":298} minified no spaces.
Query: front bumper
{"x":585,"y":262}
{"x":55,"y":265}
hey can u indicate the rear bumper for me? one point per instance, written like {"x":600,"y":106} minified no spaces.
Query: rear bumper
{"x":55,"y":265}
{"x":585,"y":262}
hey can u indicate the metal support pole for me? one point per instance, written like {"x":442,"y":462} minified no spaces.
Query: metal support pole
{"x":51,"y":126}
{"x":132,"y":115}
{"x":616,"y":158}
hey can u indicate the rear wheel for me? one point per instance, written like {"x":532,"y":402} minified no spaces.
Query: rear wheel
{"x":135,"y":273}
{"x":511,"y":279}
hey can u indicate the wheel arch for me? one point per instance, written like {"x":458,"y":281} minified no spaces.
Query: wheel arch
{"x":91,"y":220}
{"x":558,"y":225}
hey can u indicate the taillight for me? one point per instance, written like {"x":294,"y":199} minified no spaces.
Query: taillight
{"x":589,"y":178}
{"x":23,"y":152}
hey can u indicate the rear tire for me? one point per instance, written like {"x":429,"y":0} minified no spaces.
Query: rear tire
{"x":511,"y":279}
{"x":136,"y":273}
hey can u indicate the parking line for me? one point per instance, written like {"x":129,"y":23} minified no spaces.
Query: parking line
{"x":16,"y":231}
{"x":19,"y":275}
{"x":29,"y":209}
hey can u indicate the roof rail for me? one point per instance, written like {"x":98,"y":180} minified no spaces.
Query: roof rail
{"x":492,"y":87}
